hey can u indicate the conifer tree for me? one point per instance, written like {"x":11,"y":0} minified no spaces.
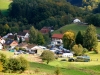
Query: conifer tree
{"x":33,"y":35}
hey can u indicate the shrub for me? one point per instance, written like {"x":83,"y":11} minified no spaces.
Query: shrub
{"x":48,"y":56}
{"x":84,"y":51}
{"x":78,"y":49}
{"x":23,"y":64}
{"x":37,"y":70}
{"x":96,"y":51}
{"x":57,"y":71}
{"x":1,"y":67}
{"x":17,"y":48}
{"x":16,"y":65}
{"x":3,"y":60}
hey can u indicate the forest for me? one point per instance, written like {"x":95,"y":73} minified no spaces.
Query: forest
{"x":22,"y":14}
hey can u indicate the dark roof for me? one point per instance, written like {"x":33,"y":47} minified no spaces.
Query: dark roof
{"x":11,"y":37}
{"x":21,"y":33}
{"x":26,"y":31}
{"x":31,"y":45}
{"x":8,"y":42}
{"x":58,"y":36}
{"x":22,"y":44}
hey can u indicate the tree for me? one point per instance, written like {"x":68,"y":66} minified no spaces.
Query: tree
{"x":1,"y":30}
{"x":7,"y":28}
{"x":40,"y":39}
{"x":78,"y":49}
{"x":90,"y":38}
{"x":79,"y":38}
{"x":15,"y":37}
{"x":33,"y":35}
{"x":68,"y":39}
{"x":48,"y":56}
{"x":20,"y":40}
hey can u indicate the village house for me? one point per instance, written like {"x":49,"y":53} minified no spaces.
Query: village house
{"x":11,"y":43}
{"x":23,"y":35}
{"x":45,"y":30}
{"x":10,"y":37}
{"x":57,"y":39}
{"x":76,"y":20}
{"x":22,"y":45}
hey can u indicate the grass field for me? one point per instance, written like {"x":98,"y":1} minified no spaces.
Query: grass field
{"x":67,"y":68}
{"x":75,"y":28}
{"x":4,"y":4}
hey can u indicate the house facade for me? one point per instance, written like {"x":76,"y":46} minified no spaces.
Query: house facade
{"x":11,"y":43}
{"x":57,"y":39}
{"x":23,"y":35}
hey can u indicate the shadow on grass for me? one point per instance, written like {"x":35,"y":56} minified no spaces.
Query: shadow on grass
{"x":51,"y":69}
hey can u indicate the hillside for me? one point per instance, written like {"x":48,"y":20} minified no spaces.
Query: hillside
{"x":75,"y":28}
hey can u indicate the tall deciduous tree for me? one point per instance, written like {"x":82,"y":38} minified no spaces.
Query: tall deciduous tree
{"x":33,"y":35}
{"x":79,"y":38}
{"x":40,"y":39}
{"x":68,"y":39}
{"x":90,"y":38}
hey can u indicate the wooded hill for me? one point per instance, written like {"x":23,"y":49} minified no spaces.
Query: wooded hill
{"x":22,"y":14}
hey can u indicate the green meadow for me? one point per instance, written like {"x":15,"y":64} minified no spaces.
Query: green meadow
{"x":74,"y":27}
{"x":66,"y":68}
{"x":4,"y":5}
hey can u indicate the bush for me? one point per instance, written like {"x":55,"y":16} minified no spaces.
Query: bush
{"x":1,"y":67}
{"x":96,"y":51}
{"x":78,"y":49}
{"x":84,"y":51}
{"x":17,"y":48}
{"x":57,"y":71}
{"x":3,"y":60}
{"x":24,"y":64}
{"x":48,"y":56}
{"x":16,"y":65}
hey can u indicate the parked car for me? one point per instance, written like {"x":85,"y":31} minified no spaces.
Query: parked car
{"x":31,"y":52}
{"x":82,"y":58}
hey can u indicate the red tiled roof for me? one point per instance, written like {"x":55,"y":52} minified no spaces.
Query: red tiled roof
{"x":58,"y":36}
{"x":45,"y":30}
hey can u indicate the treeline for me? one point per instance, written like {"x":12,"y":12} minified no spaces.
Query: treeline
{"x":85,"y":4}
{"x":39,"y":13}
{"x":44,"y":12}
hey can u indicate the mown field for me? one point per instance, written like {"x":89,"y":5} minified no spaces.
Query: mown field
{"x":67,"y":68}
{"x":74,"y":27}
{"x":4,"y":4}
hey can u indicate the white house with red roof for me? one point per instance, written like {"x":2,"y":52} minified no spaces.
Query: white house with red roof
{"x":57,"y":39}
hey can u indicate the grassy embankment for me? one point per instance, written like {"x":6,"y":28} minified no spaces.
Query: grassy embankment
{"x":74,"y":27}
